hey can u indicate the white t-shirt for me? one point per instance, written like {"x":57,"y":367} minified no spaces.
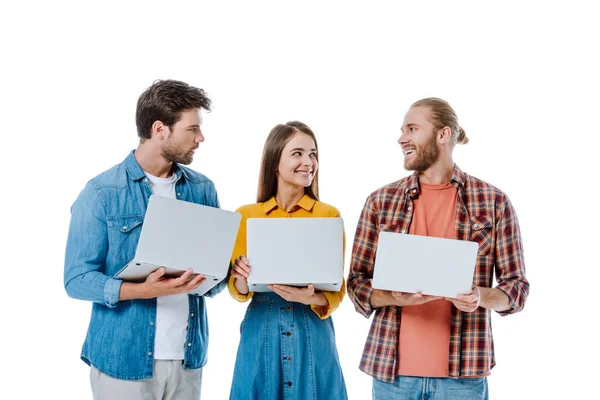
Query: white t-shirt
{"x":171,"y":311}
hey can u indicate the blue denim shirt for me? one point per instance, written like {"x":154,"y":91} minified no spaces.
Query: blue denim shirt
{"x":106,"y":220}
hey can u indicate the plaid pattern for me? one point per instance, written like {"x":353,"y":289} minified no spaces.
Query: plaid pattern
{"x":485,"y":215}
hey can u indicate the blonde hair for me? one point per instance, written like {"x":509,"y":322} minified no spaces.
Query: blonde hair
{"x":442,"y":115}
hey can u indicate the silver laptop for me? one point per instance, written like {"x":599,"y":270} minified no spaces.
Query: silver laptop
{"x":430,"y":265}
{"x":179,"y":235}
{"x":295,"y":252}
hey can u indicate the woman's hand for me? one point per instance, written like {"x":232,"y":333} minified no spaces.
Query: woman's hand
{"x":304,"y":295}
{"x":240,"y":270}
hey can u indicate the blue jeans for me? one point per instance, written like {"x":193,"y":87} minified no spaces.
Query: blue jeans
{"x":415,"y":388}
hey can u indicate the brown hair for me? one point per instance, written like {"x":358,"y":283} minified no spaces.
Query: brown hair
{"x":164,"y":101}
{"x":279,"y":136}
{"x":443,"y":115}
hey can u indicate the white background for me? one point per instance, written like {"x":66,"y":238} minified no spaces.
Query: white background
{"x":522,"y":76}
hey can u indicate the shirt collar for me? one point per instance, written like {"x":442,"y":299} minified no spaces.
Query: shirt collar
{"x":458,"y":177}
{"x":136,"y":172}
{"x":457,"y":180}
{"x":306,"y":203}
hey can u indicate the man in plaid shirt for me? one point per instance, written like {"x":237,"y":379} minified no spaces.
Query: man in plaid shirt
{"x":421,"y":345}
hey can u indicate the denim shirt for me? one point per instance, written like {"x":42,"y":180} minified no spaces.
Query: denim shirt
{"x":106,"y":221}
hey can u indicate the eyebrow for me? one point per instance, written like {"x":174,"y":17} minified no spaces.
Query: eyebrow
{"x":193,"y":126}
{"x":408,"y":126}
{"x":301,"y":149}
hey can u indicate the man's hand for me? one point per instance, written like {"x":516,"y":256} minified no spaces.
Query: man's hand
{"x":412,"y":299}
{"x":467,"y":302}
{"x":157,"y":285}
{"x":304,"y":295}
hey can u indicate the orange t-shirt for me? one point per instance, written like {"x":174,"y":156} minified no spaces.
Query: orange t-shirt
{"x":424,"y":344}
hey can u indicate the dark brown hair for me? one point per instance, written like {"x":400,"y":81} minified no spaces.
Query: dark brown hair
{"x":443,"y":115}
{"x":276,"y":141}
{"x":164,"y":101}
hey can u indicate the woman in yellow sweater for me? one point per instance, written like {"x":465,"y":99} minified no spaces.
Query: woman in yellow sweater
{"x":287,"y":347}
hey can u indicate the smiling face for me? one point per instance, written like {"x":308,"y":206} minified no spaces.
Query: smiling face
{"x":183,"y":138}
{"x":419,"y":140}
{"x":298,"y":163}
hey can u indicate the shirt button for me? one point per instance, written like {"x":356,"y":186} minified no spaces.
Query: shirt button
{"x":289,"y":383}
{"x":289,"y":358}
{"x":192,"y":314}
{"x":409,"y":208}
{"x":125,"y":228}
{"x":288,"y":333}
{"x":414,"y":190}
{"x":288,"y":308}
{"x":151,"y":323}
{"x":403,"y":231}
{"x":178,"y":194}
{"x":475,"y":225}
{"x":189,"y":344}
{"x":149,"y":353}
{"x":145,"y":179}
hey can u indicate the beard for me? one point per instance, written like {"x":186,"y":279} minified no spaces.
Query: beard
{"x":175,"y":152}
{"x":426,"y":156}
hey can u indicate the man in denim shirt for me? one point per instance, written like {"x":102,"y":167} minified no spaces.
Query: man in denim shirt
{"x":144,"y":339}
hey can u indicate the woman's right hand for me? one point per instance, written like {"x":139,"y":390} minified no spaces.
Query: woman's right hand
{"x":240,"y":271}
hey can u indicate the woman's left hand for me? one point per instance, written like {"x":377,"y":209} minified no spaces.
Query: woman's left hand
{"x":304,"y":295}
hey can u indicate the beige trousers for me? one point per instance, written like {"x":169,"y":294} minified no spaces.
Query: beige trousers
{"x":170,"y":382}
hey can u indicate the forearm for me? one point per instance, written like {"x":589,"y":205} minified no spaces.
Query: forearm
{"x":235,"y":293}
{"x":382,"y":298}
{"x":319,"y":299}
{"x":493,"y":299}
{"x":241,"y":286}
{"x":131,"y":291}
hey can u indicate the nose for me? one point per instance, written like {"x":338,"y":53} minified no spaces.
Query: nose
{"x":199,"y":137}
{"x":307,"y":161}
{"x":402,"y":139}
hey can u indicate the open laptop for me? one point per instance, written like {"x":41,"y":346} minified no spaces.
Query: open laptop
{"x":295,"y":252}
{"x":430,"y":265}
{"x":179,"y":235}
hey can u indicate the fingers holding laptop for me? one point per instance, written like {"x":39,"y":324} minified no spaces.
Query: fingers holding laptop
{"x":158,"y":285}
{"x":304,"y":295}
{"x":240,"y":270}
{"x":413,"y":299}
{"x":467,"y":302}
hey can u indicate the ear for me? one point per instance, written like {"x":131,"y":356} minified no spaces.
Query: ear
{"x":444,"y":135}
{"x":159,"y":130}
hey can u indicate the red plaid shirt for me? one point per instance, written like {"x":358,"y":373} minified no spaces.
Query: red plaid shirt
{"x":484,"y":214}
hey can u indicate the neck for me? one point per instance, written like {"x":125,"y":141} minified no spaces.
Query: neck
{"x":152,"y":161}
{"x":438,"y":173}
{"x":288,"y":196}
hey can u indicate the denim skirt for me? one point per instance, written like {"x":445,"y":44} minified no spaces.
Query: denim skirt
{"x":286,"y":352}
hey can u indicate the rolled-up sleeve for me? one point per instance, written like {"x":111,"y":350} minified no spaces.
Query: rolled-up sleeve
{"x":85,"y":255}
{"x":238,"y":250}
{"x":334,"y":299}
{"x":510,"y":264}
{"x":363,"y":259}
